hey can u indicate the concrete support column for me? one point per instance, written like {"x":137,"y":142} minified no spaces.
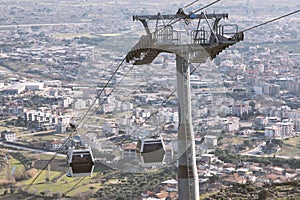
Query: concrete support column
{"x":188,"y":183}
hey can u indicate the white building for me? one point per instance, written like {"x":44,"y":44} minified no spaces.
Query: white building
{"x":82,"y":103}
{"x":53,"y":83}
{"x":8,"y":136}
{"x":125,"y":121}
{"x":110,"y":128}
{"x":231,"y":124}
{"x":14,"y":89}
{"x":34,"y":86}
{"x":141,"y":113}
{"x":107,"y":104}
{"x":54,"y":144}
{"x":210,"y":140}
{"x":65,"y":120}
{"x":258,"y":89}
{"x":65,"y":102}
{"x":208,"y":158}
{"x":273,"y":132}
{"x":281,"y":130}
{"x":297,"y":124}
{"x":287,"y":129}
{"x":129,"y":151}
{"x":61,"y":128}
{"x":271,"y":89}
{"x":261,"y":121}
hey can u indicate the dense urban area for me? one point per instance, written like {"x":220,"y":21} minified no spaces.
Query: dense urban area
{"x":57,"y":56}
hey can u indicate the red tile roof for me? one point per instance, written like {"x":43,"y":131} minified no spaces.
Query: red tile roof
{"x":131,"y":146}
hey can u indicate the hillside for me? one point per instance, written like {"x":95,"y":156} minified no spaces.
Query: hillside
{"x":287,"y":190}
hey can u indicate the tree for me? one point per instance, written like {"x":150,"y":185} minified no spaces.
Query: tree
{"x":278,"y":142}
{"x":109,"y":157}
{"x":20,"y":122}
{"x":247,"y":143}
{"x":213,"y":179}
{"x":20,"y":175}
{"x":263,"y":195}
{"x":121,"y":198}
{"x":92,"y":187}
{"x":12,"y":189}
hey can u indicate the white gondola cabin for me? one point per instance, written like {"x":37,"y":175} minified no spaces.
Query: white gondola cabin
{"x":151,"y":150}
{"x":80,"y":160}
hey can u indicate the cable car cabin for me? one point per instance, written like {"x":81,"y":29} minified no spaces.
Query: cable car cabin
{"x":151,"y":150}
{"x":80,"y":162}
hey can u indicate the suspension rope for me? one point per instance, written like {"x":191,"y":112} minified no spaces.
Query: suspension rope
{"x":173,"y":92}
{"x":74,"y":186}
{"x":206,"y":6}
{"x":102,"y":90}
{"x":161,"y":104}
{"x":113,"y":89}
{"x":157,"y":109}
{"x":194,"y":12}
{"x":71,"y":134}
{"x":117,"y":85}
{"x":110,"y":93}
{"x":51,"y":159}
{"x":95,"y":111}
{"x":188,"y":5}
{"x":272,"y":20}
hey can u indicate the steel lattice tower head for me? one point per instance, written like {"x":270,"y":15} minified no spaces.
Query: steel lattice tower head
{"x":193,"y":46}
{"x":203,"y":42}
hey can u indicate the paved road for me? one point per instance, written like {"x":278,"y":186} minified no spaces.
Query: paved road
{"x":254,"y":151}
{"x":31,"y":149}
{"x":36,"y":133}
{"x":30,"y":25}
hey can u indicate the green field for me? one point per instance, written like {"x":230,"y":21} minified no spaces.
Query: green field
{"x":43,"y":182}
{"x":48,"y":183}
{"x":7,"y":170}
{"x":290,"y":147}
{"x":45,"y":137}
{"x":54,"y":183}
{"x":57,"y":183}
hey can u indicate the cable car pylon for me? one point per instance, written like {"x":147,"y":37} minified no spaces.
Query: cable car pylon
{"x":203,"y":43}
